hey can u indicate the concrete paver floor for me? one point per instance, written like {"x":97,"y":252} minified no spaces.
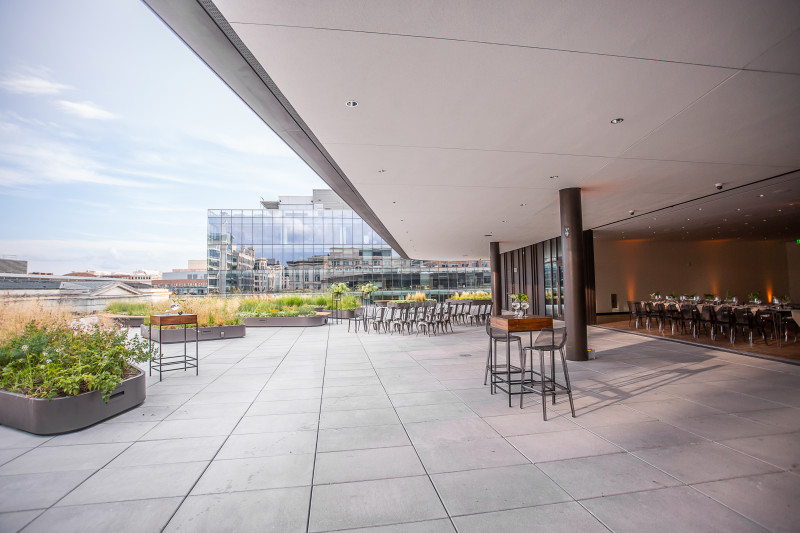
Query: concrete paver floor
{"x":318,"y":429}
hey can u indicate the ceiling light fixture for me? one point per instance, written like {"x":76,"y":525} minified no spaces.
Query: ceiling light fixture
{"x":351,"y":103}
{"x":553,"y":177}
{"x":617,"y":120}
{"x":381,"y":171}
{"x":488,"y":235}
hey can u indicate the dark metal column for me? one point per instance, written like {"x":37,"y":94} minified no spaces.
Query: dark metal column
{"x":574,"y":273}
{"x":494,"y":265}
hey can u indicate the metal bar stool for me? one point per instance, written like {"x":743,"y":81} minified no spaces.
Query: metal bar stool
{"x":548,"y":340}
{"x":496,"y":336}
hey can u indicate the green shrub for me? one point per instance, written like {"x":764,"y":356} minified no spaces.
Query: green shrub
{"x":130,"y":308}
{"x":59,"y":360}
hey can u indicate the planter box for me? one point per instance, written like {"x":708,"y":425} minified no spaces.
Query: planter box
{"x":170,"y":336}
{"x":126,"y":321}
{"x":285,"y":321}
{"x":60,"y":415}
{"x":473,"y":302}
{"x":342,"y":313}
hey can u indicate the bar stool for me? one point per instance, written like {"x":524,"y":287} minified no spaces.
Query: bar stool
{"x":548,"y":340}
{"x":496,"y":337}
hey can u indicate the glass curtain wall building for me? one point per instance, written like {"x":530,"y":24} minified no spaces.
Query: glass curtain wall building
{"x":306,"y":243}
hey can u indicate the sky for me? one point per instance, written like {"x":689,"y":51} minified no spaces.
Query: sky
{"x":115,"y":139}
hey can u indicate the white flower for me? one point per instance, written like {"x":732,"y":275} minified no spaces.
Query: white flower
{"x":48,"y":361}
{"x":24,"y":347}
{"x":44,"y":354}
{"x":41,"y":366}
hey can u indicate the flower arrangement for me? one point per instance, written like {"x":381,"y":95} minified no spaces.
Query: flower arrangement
{"x":337,"y":289}
{"x":367,"y":288}
{"x":61,"y":359}
{"x":519,"y":296}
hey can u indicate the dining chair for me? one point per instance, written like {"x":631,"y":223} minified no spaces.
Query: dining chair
{"x":495,"y":336}
{"x":548,"y":340}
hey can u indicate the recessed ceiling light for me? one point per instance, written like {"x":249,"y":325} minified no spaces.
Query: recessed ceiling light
{"x":351,"y":103}
{"x":761,"y":196}
{"x":381,"y":171}
{"x":699,"y":208}
{"x":738,"y":208}
{"x":617,"y":120}
{"x":522,"y":205}
{"x":553,"y":177}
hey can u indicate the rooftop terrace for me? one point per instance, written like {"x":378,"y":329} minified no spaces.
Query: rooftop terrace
{"x":318,"y":429}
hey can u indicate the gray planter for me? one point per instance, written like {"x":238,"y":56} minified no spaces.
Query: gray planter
{"x":473,"y":302}
{"x":285,"y":321}
{"x":126,"y":321}
{"x":342,"y":313}
{"x":170,"y":336}
{"x":60,"y":415}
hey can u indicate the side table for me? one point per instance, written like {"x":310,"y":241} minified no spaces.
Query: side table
{"x":172,"y":360}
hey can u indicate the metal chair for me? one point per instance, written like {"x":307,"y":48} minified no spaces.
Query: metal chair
{"x":640,"y":314}
{"x":356,"y":319}
{"x":743,"y":321}
{"x":496,"y":336}
{"x":548,"y":340}
{"x":705,"y":317}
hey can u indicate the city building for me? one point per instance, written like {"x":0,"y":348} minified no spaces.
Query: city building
{"x":306,"y":243}
{"x":191,"y":280}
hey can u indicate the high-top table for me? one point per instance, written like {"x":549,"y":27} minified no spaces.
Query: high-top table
{"x":502,"y":379}
{"x":174,"y":320}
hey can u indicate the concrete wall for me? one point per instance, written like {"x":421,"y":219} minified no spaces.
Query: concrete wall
{"x":634,"y":269}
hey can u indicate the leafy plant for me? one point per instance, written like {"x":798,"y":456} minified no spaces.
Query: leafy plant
{"x":418,"y":296}
{"x":655,"y":294}
{"x":753,"y":296}
{"x":130,"y":308}
{"x":709,"y":296}
{"x":477,"y":295}
{"x":62,"y":360}
{"x":786,"y":300}
{"x":520,"y":296}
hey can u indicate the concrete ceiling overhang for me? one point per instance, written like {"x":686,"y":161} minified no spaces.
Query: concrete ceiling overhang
{"x":472,"y":115}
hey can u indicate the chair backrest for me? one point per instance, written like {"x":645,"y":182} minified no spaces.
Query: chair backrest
{"x":742,"y":316}
{"x":637,"y":306}
{"x":796,"y":317}
{"x":631,"y":307}
{"x":379,"y":313}
{"x":705,"y":313}
{"x":551,"y":339}
{"x":687,"y":311}
{"x":723,"y":314}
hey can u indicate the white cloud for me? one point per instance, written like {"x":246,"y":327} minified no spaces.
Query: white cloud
{"x":29,"y":84}
{"x":85,"y":110}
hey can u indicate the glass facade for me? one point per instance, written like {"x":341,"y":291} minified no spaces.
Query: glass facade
{"x":306,"y":243}
{"x":553,"y":278}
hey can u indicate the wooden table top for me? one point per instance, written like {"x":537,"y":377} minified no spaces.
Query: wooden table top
{"x":529,"y":323}
{"x":172,"y":320}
